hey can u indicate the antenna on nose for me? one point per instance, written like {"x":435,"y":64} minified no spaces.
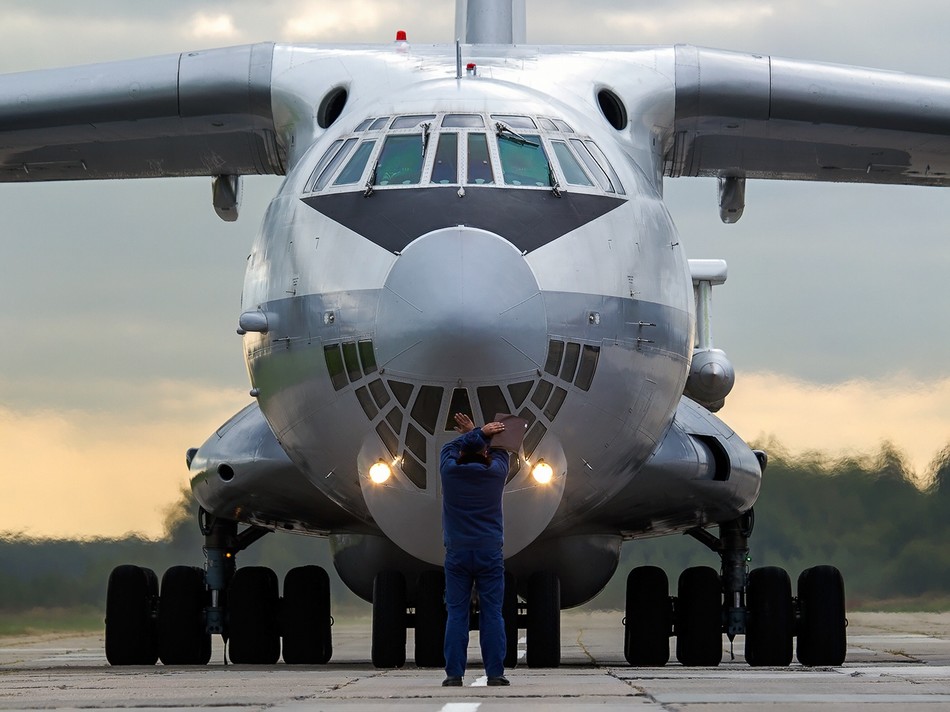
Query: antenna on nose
{"x":490,"y":21}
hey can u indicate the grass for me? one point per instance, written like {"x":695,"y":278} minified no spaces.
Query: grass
{"x":51,"y":620}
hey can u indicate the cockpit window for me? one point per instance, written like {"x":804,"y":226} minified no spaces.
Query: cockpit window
{"x":400,"y":161}
{"x":479,"y":160}
{"x":602,"y":159}
{"x":445,"y":166}
{"x":523,"y":161}
{"x":331,"y":152}
{"x":592,"y":165}
{"x":410,"y":122}
{"x":463,"y":121}
{"x":464,"y":149}
{"x":515,"y":122}
{"x":334,"y":164}
{"x":573,"y":172}
{"x":353,"y":170}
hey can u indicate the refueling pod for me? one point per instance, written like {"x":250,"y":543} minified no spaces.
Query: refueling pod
{"x":711,"y":375}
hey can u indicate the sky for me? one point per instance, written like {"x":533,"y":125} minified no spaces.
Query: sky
{"x":119,"y":300}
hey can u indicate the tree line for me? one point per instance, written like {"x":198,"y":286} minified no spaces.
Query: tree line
{"x":890,"y":538}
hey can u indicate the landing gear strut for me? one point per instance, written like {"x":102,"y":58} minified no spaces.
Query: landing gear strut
{"x":733,"y":549}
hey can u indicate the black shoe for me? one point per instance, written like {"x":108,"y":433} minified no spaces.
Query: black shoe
{"x":452,"y":681}
{"x":500,"y":681}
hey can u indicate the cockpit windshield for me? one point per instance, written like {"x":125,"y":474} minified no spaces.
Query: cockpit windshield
{"x":400,"y":161}
{"x":523,"y":161}
{"x":464,"y":149}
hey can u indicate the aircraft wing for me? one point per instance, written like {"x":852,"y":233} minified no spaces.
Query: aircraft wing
{"x":756,"y":116}
{"x":198,"y":113}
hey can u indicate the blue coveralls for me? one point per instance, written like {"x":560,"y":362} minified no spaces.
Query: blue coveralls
{"x":474,"y":535}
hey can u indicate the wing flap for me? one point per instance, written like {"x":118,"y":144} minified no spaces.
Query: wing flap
{"x":198,"y":113}
{"x":760,"y":117}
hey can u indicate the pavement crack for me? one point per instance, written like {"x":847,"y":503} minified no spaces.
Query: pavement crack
{"x":580,"y":643}
{"x":340,"y":686}
{"x":640,"y":691}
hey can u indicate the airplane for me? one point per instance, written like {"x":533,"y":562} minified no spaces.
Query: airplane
{"x":475,"y":226}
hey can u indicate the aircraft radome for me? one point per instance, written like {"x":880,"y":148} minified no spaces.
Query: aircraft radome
{"x":475,"y":227}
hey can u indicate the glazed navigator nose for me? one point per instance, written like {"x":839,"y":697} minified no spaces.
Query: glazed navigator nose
{"x":461,"y":303}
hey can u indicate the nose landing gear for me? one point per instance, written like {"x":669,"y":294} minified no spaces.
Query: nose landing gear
{"x":396,"y":608}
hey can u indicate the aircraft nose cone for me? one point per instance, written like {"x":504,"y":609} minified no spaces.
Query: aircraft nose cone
{"x":461,"y":303}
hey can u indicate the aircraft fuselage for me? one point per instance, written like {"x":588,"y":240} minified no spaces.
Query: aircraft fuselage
{"x":481,"y":244}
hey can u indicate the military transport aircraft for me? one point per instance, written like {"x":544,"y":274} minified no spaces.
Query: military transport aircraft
{"x":477,"y":226}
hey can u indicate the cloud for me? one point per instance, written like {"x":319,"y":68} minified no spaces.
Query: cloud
{"x":854,"y":417}
{"x":313,"y":22}
{"x":369,"y":21}
{"x":215,"y":27}
{"x":625,"y":22}
{"x":656,"y":22}
{"x":87,"y":473}
{"x":826,"y":282}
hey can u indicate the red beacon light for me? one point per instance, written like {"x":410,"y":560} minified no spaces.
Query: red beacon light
{"x":402,"y":45}
{"x":471,"y":69}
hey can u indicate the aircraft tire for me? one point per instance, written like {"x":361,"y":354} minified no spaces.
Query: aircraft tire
{"x":699,"y":617}
{"x":822,"y":632}
{"x":253,"y":630}
{"x":389,"y":620}
{"x":509,"y":611}
{"x":544,"y":620}
{"x":182,"y":636}
{"x":771,"y":618}
{"x":649,"y":618}
{"x":131,"y":635}
{"x":306,"y":621}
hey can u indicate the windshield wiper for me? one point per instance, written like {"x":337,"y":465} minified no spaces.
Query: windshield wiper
{"x":552,"y":180}
{"x":425,"y":138}
{"x":371,"y":181}
{"x":503,"y":131}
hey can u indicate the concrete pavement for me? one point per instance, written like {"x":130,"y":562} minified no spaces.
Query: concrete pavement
{"x":894,"y":660}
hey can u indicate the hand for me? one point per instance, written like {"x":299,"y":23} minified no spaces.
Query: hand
{"x":490,"y":429}
{"x":463,"y":423}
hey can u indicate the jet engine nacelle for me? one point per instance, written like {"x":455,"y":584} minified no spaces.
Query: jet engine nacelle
{"x":711,"y":378}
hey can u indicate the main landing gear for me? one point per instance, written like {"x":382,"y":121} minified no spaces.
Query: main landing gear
{"x":758,"y":604}
{"x":174,"y":623}
{"x":394,"y":613}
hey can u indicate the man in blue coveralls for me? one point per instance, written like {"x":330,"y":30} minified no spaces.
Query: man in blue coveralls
{"x":473,"y":480}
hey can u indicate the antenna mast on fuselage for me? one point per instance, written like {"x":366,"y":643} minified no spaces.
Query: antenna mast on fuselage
{"x":490,"y":21}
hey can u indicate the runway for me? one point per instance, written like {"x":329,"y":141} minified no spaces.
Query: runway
{"x":894,"y":661}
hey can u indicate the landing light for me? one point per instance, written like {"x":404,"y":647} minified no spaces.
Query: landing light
{"x":380,"y":472}
{"x":542,"y":472}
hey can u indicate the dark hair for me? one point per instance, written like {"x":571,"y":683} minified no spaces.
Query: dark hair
{"x":481,"y":457}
